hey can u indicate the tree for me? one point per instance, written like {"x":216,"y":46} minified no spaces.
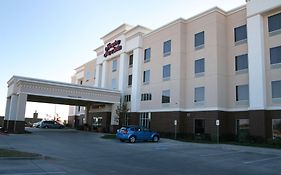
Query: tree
{"x":122,"y":112}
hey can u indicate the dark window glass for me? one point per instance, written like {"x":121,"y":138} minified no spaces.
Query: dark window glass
{"x":146,"y":76}
{"x":240,"y":33}
{"x":200,"y":65}
{"x":166,"y":96}
{"x":241,"y":62}
{"x":127,"y":98}
{"x":275,"y":55}
{"x":276,"y":89}
{"x":199,"y":126}
{"x":199,"y":39}
{"x":199,"y":95}
{"x":167,"y":48}
{"x":147,"y":54}
{"x":129,"y":80}
{"x":131,"y":59}
{"x":146,"y":97}
{"x":166,"y":71}
{"x":242,"y":92}
{"x":274,"y":22}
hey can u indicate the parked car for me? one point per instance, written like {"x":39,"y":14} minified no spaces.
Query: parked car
{"x":50,"y":124}
{"x":134,"y":133}
{"x":28,"y":124}
{"x":36,"y":125}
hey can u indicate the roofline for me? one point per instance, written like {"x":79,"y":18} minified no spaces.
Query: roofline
{"x":119,"y":27}
{"x":200,"y":15}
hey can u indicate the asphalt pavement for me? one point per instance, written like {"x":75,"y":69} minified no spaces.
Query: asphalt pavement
{"x":74,"y":152}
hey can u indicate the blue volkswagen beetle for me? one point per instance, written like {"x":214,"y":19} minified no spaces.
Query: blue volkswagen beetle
{"x":134,"y":133}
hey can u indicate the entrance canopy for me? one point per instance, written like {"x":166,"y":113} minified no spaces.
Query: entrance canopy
{"x":23,"y":89}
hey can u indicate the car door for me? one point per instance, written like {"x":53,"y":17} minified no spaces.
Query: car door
{"x":146,"y":134}
{"x":138,"y":132}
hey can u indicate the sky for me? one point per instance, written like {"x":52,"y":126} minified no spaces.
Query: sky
{"x":48,"y":39}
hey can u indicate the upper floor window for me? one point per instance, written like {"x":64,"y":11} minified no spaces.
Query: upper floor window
{"x":147,"y":55}
{"x":275,"y":55}
{"x":276,"y":89}
{"x":242,"y":92}
{"x":166,"y":96}
{"x":199,"y":40}
{"x":241,"y":62}
{"x":146,"y":97}
{"x":87,"y":76}
{"x":199,"y":94}
{"x":113,"y":84}
{"x":146,"y":76}
{"x":114,"y":65}
{"x":127,"y":98}
{"x":130,"y":80}
{"x":167,"y":71}
{"x":240,"y":34}
{"x":200,"y":66}
{"x":167,"y":48}
{"x":274,"y":22}
{"x":131,"y":59}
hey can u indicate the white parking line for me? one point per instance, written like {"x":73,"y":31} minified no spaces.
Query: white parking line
{"x":218,"y":154}
{"x":261,"y":160}
{"x":39,"y":173}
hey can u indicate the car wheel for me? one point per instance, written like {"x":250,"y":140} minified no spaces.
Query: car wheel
{"x":155,"y":139}
{"x":132,"y":139}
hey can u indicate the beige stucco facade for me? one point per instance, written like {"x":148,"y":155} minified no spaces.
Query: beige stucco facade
{"x":220,"y":78}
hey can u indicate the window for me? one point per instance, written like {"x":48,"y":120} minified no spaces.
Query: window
{"x":131,"y":59}
{"x":199,"y":126}
{"x":146,"y":77}
{"x":241,"y":62}
{"x":114,"y":65}
{"x":276,"y":89}
{"x":87,"y":75}
{"x":199,"y":94}
{"x":166,"y":71}
{"x":275,"y":55}
{"x":113,"y":84}
{"x":274,"y":22}
{"x":145,"y":118}
{"x":146,"y":97}
{"x":242,"y":92}
{"x":127,"y":98}
{"x":130,"y":80}
{"x":240,"y":33}
{"x":147,"y":55}
{"x":242,"y":127}
{"x":199,"y":40}
{"x":276,"y":129}
{"x":200,"y":66}
{"x":95,"y":72}
{"x":166,"y":96}
{"x":97,"y":121}
{"x":167,"y":48}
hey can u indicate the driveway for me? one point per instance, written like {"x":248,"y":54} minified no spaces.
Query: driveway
{"x":85,"y":153}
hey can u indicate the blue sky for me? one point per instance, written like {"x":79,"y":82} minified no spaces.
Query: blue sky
{"x":48,"y":39}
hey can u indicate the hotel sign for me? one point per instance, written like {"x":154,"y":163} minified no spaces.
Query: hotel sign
{"x":111,"y":48}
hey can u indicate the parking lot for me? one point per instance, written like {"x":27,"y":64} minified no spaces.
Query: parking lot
{"x":84,"y":153}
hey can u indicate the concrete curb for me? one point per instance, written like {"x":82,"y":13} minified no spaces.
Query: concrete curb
{"x":25,"y":158}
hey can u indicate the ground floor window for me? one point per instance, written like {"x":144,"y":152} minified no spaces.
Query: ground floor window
{"x":276,"y":129}
{"x":145,"y":119}
{"x":97,"y":121}
{"x":199,"y":126}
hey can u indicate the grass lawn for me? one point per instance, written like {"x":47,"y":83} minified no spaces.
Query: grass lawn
{"x":14,"y":153}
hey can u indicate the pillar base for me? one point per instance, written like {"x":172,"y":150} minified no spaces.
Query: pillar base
{"x":13,"y":126}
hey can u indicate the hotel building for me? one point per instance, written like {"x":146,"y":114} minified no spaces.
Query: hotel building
{"x":217,"y":65}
